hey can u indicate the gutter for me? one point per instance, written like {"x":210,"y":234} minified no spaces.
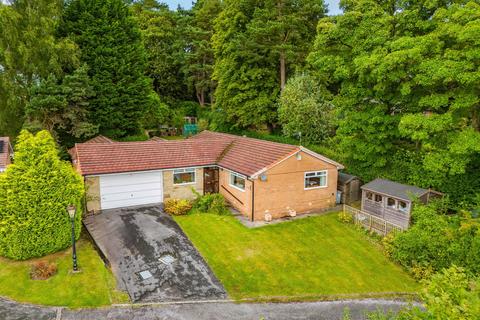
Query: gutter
{"x":253,"y":200}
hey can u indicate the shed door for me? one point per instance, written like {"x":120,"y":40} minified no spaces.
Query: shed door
{"x":132,"y":189}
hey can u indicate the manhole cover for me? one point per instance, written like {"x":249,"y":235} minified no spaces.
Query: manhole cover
{"x":145,"y":274}
{"x":167,"y":259}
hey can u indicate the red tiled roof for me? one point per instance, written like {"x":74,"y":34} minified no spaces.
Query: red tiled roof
{"x":248,"y":155}
{"x":240,"y":154}
{"x":5,"y":153}
{"x":99,"y":139}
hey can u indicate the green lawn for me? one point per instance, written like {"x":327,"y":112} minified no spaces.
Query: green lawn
{"x":93,"y":286}
{"x":311,"y":257}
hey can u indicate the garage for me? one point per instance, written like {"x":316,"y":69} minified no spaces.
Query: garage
{"x":131,"y":189}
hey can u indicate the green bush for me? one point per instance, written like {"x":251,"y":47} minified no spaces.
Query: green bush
{"x":436,"y":241}
{"x":210,"y":203}
{"x":345,"y":217}
{"x":449,"y":295}
{"x":452,"y":294}
{"x":177,"y":207}
{"x":34,"y":194}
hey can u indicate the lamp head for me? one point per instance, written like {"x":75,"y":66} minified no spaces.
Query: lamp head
{"x":71,"y":211}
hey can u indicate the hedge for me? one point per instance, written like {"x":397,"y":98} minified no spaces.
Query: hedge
{"x":34,"y":194}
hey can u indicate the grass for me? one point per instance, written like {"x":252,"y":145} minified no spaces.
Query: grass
{"x":94,"y":286}
{"x":316,"y":257}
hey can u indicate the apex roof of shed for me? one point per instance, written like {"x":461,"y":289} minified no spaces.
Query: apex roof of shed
{"x":345,"y":177}
{"x":394,"y":189}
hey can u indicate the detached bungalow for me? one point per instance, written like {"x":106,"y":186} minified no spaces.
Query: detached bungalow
{"x":6,"y":153}
{"x":260,"y":179}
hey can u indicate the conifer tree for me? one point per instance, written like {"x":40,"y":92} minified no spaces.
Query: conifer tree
{"x":110,"y":43}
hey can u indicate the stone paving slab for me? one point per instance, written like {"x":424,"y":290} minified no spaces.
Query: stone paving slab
{"x":10,"y":310}
{"x":134,"y":239}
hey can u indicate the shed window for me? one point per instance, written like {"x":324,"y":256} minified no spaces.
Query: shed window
{"x":378,"y":198}
{"x":402,"y":206}
{"x":316,"y":179}
{"x":184,"y":176}
{"x":391,"y":203}
{"x":237,"y":181}
{"x":369,"y":195}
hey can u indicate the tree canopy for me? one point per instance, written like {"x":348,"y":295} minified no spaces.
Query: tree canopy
{"x":257,"y":44}
{"x":404,"y":76}
{"x":29,"y":51}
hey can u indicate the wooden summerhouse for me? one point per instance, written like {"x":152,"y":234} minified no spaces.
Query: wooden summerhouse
{"x":349,"y":188}
{"x":393,"y":201}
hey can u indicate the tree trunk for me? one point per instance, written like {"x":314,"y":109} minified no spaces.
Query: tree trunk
{"x":270,"y":127}
{"x":476,"y":118}
{"x":282,"y":71}
{"x":201,"y":97}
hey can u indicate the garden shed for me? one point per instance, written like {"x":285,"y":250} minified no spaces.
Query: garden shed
{"x":393,"y":201}
{"x":349,"y":188}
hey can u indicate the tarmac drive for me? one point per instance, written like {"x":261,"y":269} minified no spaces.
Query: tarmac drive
{"x":134,"y":239}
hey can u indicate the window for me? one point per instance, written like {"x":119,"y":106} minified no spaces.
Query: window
{"x":184,"y":176}
{"x":391,"y":203}
{"x":402,"y":206}
{"x":237,"y":181}
{"x":316,"y":179}
{"x":378,"y":198}
{"x":369,"y":195}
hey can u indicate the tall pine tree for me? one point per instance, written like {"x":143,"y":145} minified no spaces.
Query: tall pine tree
{"x":199,"y":56}
{"x":165,"y":46}
{"x":111,"y":45}
{"x":257,"y":45}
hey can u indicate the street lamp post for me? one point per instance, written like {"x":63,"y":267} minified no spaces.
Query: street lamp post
{"x":71,"y":213}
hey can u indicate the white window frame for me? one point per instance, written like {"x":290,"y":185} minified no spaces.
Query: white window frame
{"x":407,"y":206}
{"x":319,"y":173}
{"x":230,"y":180}
{"x":185,"y":170}
{"x":395,"y":203}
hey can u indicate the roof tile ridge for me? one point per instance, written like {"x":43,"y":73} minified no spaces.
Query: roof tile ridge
{"x":225,"y":151}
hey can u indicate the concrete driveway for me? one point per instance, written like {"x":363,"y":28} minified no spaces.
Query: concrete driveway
{"x":145,"y":241}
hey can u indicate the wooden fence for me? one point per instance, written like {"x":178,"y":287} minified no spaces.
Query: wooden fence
{"x":371,"y":222}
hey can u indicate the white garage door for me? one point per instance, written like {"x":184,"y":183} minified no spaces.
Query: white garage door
{"x":133,"y":189}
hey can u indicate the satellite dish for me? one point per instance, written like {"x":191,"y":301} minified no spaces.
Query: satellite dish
{"x":263,"y":177}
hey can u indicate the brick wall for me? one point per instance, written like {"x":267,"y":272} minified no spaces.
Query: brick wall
{"x":284,"y":188}
{"x":181,"y":191}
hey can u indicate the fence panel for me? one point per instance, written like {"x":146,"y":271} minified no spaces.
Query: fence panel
{"x":371,"y":222}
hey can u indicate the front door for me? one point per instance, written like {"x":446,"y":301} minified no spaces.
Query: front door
{"x":210,"y":180}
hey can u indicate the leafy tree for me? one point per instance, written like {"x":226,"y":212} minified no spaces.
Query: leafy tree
{"x":28,"y":51}
{"x":303,"y":110}
{"x":165,"y":47}
{"x":404,"y":76}
{"x":34,"y":194}
{"x":111,"y":46}
{"x":199,"y":56}
{"x":256,"y":44}
{"x":62,"y":107}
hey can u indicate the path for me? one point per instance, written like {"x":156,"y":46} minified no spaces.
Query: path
{"x":325,"y":310}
